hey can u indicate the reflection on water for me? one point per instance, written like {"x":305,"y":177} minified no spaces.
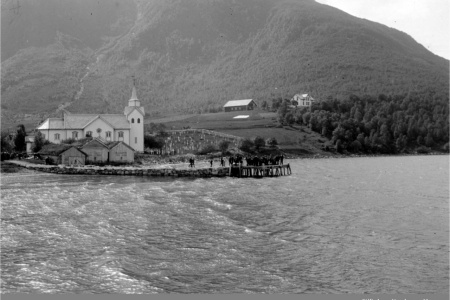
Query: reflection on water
{"x":359,"y":225}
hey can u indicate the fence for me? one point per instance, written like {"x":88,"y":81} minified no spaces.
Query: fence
{"x":192,"y":140}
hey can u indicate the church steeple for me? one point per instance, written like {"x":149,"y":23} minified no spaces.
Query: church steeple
{"x":134,"y":101}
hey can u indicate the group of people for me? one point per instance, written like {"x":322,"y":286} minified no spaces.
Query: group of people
{"x":238,"y":159}
{"x":258,"y":160}
{"x":191,"y":162}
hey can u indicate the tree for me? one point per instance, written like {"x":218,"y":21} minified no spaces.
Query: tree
{"x":272,"y":142}
{"x":223,"y":146}
{"x":420,"y":140}
{"x":264,"y":105}
{"x":339,"y":146}
{"x":429,"y":142}
{"x":19,"y":140}
{"x":246,"y":145}
{"x":259,"y":142}
{"x":289,"y":118}
{"x":355,"y":146}
{"x":282,"y":111}
{"x":153,"y":142}
{"x":39,"y":141}
{"x":207,"y":149}
{"x":6,"y":142}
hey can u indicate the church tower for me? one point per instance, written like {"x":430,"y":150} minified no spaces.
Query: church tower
{"x":135,"y":113}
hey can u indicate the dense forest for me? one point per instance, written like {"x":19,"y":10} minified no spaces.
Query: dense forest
{"x":382,"y":124}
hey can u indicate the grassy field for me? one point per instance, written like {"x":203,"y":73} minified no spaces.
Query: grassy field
{"x":295,"y":139}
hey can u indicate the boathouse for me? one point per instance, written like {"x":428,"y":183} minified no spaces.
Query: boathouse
{"x":120,"y":152}
{"x":97,"y":150}
{"x":64,"y":154}
{"x":239,"y":105}
{"x":101,"y":151}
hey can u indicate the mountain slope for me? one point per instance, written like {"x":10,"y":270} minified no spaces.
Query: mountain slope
{"x":195,"y":55}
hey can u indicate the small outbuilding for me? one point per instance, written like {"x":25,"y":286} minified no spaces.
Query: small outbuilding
{"x":120,"y":152}
{"x":29,"y":140}
{"x":64,"y":154}
{"x":97,"y":150}
{"x":239,"y":105}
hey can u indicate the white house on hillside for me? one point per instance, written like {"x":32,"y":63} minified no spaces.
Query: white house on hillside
{"x":127,"y":127}
{"x":303,"y":100}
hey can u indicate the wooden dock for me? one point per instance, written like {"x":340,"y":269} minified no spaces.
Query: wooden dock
{"x":260,"y":171}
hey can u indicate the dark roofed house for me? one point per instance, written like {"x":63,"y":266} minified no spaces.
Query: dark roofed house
{"x":120,"y":152}
{"x":97,"y":150}
{"x":239,"y":105}
{"x":64,"y":154}
{"x":101,"y":151}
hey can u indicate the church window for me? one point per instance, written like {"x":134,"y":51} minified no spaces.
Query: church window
{"x":89,"y":134}
{"x":132,"y":120}
{"x":74,"y":134}
{"x":121,"y":134}
{"x":56,"y":136}
{"x":139,"y":120}
{"x":108,"y":134}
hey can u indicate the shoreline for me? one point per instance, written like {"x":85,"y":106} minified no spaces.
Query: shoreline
{"x":203,"y":163}
{"x":317,"y":156}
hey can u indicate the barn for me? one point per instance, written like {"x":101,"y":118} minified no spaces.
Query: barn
{"x":239,"y":105}
{"x":120,"y":152}
{"x":101,"y":151}
{"x":64,"y":154}
{"x":97,"y":150}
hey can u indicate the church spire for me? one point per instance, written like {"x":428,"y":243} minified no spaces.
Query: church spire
{"x":134,"y":101}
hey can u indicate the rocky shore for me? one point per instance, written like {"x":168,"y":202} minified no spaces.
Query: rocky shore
{"x":128,"y":170}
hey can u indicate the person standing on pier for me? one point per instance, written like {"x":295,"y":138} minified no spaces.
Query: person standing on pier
{"x":222,"y":162}
{"x":211,"y":161}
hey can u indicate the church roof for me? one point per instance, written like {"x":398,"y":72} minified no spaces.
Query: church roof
{"x":238,"y":102}
{"x":52,"y":123}
{"x":79,"y":121}
{"x":114,"y":144}
{"x":56,"y":150}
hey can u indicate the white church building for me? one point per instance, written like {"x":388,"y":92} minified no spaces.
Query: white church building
{"x":127,"y":127}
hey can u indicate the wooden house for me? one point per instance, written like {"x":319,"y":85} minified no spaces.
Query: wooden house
{"x":64,"y":154}
{"x":101,"y":151}
{"x":120,"y":152}
{"x":302,"y":100}
{"x":97,"y":150}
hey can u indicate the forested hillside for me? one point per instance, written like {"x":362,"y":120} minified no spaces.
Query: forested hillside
{"x":193,"y":56}
{"x":383,"y":124}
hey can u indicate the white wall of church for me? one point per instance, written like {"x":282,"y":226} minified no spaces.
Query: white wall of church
{"x":126,"y":136}
{"x":101,"y":125}
{"x":137,"y":130}
{"x":51,"y":135}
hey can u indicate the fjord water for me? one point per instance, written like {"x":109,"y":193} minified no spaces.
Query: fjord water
{"x":354,"y":225}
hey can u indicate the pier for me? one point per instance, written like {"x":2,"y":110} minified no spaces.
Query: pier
{"x":233,"y":171}
{"x":260,"y":171}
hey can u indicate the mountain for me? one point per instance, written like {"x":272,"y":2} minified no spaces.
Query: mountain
{"x":191,"y":56}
